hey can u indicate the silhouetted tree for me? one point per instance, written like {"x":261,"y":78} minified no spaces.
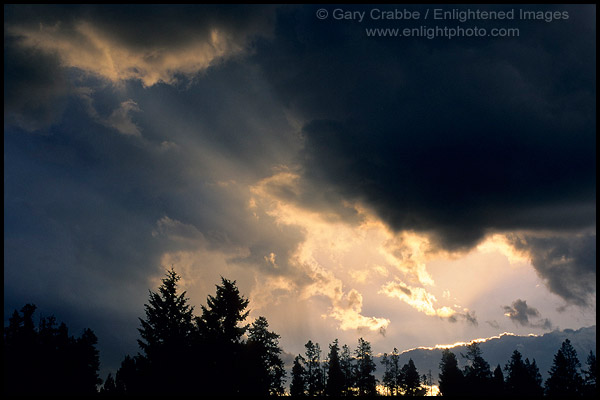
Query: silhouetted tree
{"x":411,"y":381}
{"x":497,"y":388}
{"x":522,"y":378}
{"x":166,"y":338}
{"x":314,"y":373}
{"x":347,"y":367}
{"x":109,"y":387}
{"x":131,"y":377}
{"x":365,"y":367}
{"x":393,"y":374}
{"x":266,"y":368}
{"x":298,"y":384}
{"x":564,"y":379}
{"x":477,"y":373}
{"x":590,"y":375}
{"x":451,"y":380}
{"x":335,"y":376}
{"x":220,"y":341}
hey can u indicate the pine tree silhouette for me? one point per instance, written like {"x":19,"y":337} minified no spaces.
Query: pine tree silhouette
{"x":451,"y":380}
{"x":335,"y":376}
{"x":365,"y":367}
{"x":298,"y":385}
{"x":564,"y":379}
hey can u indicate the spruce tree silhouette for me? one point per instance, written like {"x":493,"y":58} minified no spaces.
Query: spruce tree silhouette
{"x":451,"y":379}
{"x":365,"y":367}
{"x":590,"y":375}
{"x":166,"y":338}
{"x":411,"y":380}
{"x":220,"y":340}
{"x":564,"y":379}
{"x":348,"y":370}
{"x":265,"y":373}
{"x":497,"y":389}
{"x":335,"y":377}
{"x":314,"y":373}
{"x":477,"y":373}
{"x":393,"y":372}
{"x":298,"y":385}
{"x":522,"y":378}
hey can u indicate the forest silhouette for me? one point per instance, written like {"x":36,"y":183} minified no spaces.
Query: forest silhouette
{"x":216,"y":353}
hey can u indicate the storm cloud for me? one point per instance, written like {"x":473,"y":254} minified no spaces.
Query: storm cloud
{"x":456,"y":141}
{"x":522,"y":314}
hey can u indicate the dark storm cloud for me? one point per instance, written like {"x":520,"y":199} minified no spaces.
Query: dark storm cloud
{"x":453,"y":138}
{"x":522,"y":314}
{"x":35,"y":87}
{"x":567,"y":263}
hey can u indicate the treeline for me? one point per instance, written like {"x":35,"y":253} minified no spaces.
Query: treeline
{"x":217,"y":353}
{"x":522,"y":378}
{"x":347,"y":373}
{"x":46,"y":359}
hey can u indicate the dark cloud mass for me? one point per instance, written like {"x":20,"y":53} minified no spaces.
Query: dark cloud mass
{"x":456,"y":139}
{"x":522,"y":314}
{"x":567,"y":263}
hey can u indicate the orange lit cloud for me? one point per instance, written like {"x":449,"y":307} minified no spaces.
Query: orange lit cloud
{"x":88,"y":48}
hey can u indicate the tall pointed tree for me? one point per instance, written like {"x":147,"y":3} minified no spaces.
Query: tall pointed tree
{"x":451,"y":377}
{"x":223,"y":314}
{"x":166,"y":337}
{"x":498,"y":382}
{"x":220,"y":339}
{"x":393,"y":372}
{"x":266,"y":366}
{"x":365,"y":367}
{"x":335,"y":376}
{"x":477,"y":372}
{"x":565,"y":379}
{"x":411,"y":380}
{"x":590,"y":375}
{"x":298,"y":384}
{"x":169,"y":319}
{"x":347,"y":366}
{"x":314,"y":373}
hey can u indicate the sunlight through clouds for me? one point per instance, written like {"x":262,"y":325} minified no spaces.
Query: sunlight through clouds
{"x":86,"y":47}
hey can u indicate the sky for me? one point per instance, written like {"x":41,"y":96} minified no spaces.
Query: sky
{"x":412,"y":191}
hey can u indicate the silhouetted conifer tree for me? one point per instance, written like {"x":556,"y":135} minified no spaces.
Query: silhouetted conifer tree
{"x":477,"y":373}
{"x":393,"y":372}
{"x":590,"y":375}
{"x":522,"y":378}
{"x":265,"y":368}
{"x":347,"y":367}
{"x":221,"y":344}
{"x":451,"y":380}
{"x":166,"y":338}
{"x":298,"y":385}
{"x":314,"y":373}
{"x":564,"y":379}
{"x":365,"y":367}
{"x":109,"y":387}
{"x":335,"y":376}
{"x":411,"y":380}
{"x":497,"y":387}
